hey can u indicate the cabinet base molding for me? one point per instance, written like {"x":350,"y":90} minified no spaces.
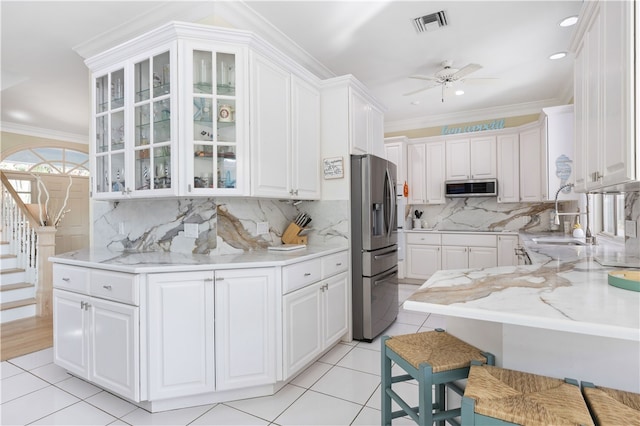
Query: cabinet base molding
{"x":209,"y":398}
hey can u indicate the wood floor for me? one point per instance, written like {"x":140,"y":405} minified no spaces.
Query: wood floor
{"x":25,"y":336}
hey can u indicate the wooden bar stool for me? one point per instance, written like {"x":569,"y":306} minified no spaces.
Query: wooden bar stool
{"x":432,"y":358}
{"x":612,"y":407}
{"x":497,"y":396}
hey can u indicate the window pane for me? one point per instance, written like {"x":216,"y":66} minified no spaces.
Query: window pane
{"x":49,"y":154}
{"x":620,"y":215}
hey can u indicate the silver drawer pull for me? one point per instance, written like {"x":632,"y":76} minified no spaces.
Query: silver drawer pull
{"x":219,"y":279}
{"x":66,"y":279}
{"x":339,"y":264}
{"x":306,"y":274}
{"x":107,"y":287}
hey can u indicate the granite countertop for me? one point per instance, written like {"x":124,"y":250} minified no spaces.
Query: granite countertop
{"x":145,"y":262}
{"x":564,"y":289}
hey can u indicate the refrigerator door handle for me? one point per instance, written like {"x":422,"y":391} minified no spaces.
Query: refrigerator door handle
{"x":382,"y":278}
{"x":384,"y":255}
{"x":390,"y":202}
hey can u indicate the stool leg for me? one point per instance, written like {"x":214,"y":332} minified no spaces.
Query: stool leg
{"x":386,"y":383}
{"x":441,"y":400}
{"x":425,"y":385}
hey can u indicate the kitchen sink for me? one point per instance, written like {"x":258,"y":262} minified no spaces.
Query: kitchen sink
{"x":565,"y":241}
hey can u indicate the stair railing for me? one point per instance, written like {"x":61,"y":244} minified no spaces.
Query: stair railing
{"x":19,"y":229}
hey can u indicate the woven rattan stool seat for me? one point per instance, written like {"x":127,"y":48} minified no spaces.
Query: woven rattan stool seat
{"x":611,"y":407}
{"x":524,"y":398}
{"x":441,"y":350}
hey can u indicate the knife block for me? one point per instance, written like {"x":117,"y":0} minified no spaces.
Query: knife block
{"x":291,"y":236}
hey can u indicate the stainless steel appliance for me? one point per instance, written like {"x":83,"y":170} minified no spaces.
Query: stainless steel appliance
{"x":471,"y":188}
{"x":374,"y":246}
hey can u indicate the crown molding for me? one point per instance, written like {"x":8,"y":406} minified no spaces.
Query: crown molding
{"x":471,"y":115}
{"x":38,"y":132}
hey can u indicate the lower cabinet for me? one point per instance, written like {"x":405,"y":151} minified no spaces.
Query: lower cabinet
{"x":314,"y":318}
{"x":181,"y":334}
{"x":98,"y":340}
{"x":245,"y":327}
{"x":456,"y":257}
{"x":431,"y":252}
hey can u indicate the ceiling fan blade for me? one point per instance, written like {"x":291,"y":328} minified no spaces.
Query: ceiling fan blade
{"x":466,"y":70}
{"x":423,"y":77}
{"x":421,"y":90}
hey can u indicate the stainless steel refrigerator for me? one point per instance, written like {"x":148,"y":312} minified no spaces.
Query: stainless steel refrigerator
{"x":374,"y":252}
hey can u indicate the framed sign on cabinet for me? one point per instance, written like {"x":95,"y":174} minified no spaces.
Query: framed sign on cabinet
{"x":333,"y":168}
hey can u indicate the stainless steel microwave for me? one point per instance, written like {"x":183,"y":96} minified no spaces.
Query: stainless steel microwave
{"x":471,"y":188}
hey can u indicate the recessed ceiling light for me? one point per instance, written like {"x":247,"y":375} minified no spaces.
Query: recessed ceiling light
{"x":459,"y":92}
{"x":20,"y":115}
{"x":558,"y":55}
{"x":569,"y":21}
{"x":415,"y":103}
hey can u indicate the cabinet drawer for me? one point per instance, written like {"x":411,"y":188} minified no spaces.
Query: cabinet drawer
{"x":115,"y":286}
{"x":72,"y":278}
{"x":467,"y":240}
{"x":300,"y":275}
{"x":335,"y":263}
{"x":423,"y":238}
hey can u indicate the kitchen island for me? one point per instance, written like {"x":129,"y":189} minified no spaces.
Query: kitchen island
{"x":557,"y":316}
{"x":168,"y":330}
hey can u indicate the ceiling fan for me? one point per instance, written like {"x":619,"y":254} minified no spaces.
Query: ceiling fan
{"x":446,"y":77}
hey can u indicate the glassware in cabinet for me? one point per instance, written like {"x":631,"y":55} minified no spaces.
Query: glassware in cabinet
{"x":214,"y":120}
{"x":109,"y":143}
{"x":152,"y":123}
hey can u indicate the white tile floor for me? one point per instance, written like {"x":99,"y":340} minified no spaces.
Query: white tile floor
{"x":342,"y":388}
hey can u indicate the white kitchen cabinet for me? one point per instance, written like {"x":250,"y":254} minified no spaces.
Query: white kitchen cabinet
{"x":180,"y":311}
{"x":94,"y":338}
{"x":508,"y":168}
{"x":604,"y":101}
{"x":315,"y":316}
{"x":376,"y":131}
{"x":471,"y":158}
{"x":558,"y":146}
{"x":507,"y":245}
{"x":461,"y":251}
{"x":245,"y":327}
{"x":395,"y":150}
{"x":531,"y":154}
{"x":285,"y":133}
{"x":426,"y":172}
{"x":167,"y":127}
{"x":367,"y":125}
{"x":424,"y":255}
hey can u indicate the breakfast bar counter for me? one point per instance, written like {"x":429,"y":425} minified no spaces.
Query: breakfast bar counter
{"x":557,"y":316}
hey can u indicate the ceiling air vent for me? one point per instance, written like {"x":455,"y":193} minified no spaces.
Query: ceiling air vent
{"x":430,"y":22}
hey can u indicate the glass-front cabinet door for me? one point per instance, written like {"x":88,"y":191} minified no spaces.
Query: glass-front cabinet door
{"x":153,"y":125}
{"x":215,"y":131}
{"x":109,"y":179}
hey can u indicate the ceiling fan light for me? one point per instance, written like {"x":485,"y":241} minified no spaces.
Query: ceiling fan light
{"x":558,"y":55}
{"x":459,"y":92}
{"x":569,"y":21}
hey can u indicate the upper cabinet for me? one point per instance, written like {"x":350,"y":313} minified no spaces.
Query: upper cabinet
{"x":607,"y":154}
{"x":471,"y":158}
{"x":395,"y":150}
{"x":170,"y":118}
{"x":285,"y":133}
{"x":558,"y":145}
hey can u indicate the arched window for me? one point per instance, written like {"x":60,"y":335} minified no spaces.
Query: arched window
{"x":48,"y":160}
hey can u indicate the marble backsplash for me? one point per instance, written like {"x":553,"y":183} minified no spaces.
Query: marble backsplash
{"x":224,"y":225}
{"x":486,"y":214}
{"x":229,"y":225}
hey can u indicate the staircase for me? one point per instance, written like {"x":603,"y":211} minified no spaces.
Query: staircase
{"x":17,"y":296}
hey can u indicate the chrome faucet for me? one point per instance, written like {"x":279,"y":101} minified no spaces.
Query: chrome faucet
{"x":556,"y":220}
{"x":589,"y":238}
